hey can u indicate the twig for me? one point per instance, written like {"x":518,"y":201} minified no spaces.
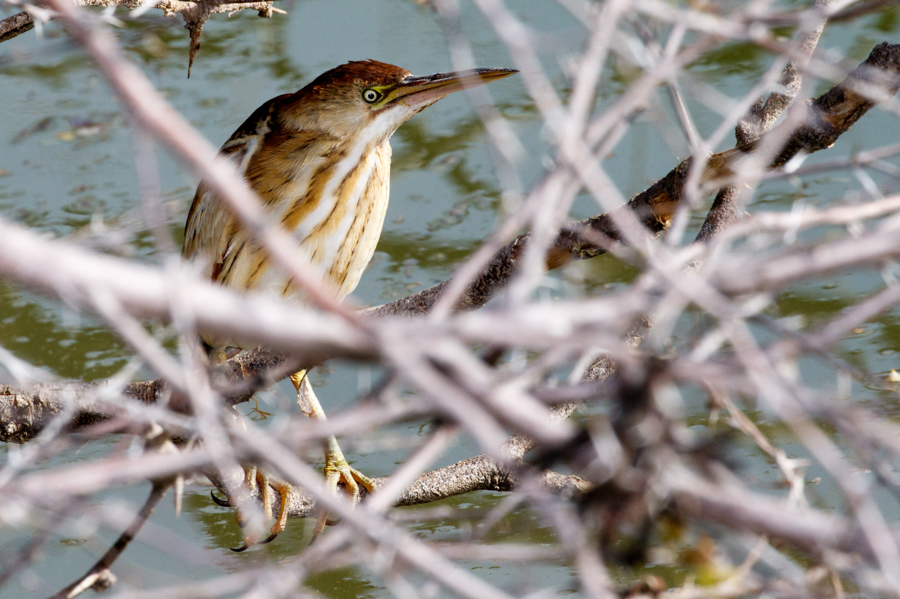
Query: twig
{"x":100,"y":577}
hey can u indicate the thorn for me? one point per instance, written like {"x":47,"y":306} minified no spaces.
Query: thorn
{"x":195,"y":26}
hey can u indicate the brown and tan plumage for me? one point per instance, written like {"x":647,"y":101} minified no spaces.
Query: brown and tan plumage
{"x":319,"y":160}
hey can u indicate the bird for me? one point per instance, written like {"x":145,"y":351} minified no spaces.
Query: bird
{"x":319,"y":160}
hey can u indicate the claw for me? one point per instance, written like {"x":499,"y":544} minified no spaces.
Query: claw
{"x":221,"y":502}
{"x":249,"y":542}
{"x":319,"y":527}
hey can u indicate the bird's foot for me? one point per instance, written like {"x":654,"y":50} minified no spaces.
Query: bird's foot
{"x":244,"y":517}
{"x":338,"y":472}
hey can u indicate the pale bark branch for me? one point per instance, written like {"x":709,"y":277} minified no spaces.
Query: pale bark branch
{"x":636,"y":458}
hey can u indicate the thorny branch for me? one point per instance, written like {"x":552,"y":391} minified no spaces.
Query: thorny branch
{"x":27,"y":409}
{"x":194,"y":12}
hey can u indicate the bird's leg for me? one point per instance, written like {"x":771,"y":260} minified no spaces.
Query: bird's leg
{"x":337,"y":469}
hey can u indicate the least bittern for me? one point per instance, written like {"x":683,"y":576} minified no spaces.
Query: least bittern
{"x":319,"y":160}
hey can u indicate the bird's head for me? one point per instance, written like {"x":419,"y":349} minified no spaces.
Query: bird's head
{"x":375,"y":97}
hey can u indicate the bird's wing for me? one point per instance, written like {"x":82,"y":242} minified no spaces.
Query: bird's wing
{"x":210,"y":226}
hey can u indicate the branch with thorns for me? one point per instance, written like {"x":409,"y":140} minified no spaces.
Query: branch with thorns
{"x":194,"y":12}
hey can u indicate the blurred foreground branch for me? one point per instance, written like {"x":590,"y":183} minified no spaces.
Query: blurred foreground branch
{"x":637,"y":459}
{"x":24,"y":411}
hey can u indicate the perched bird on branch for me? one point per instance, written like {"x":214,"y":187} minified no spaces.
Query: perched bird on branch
{"x":319,"y":160}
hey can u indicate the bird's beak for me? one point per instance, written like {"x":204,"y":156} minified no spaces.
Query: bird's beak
{"x":414,"y":91}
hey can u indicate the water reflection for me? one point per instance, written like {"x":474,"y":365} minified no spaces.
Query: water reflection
{"x":69,"y":345}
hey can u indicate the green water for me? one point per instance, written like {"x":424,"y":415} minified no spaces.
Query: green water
{"x":67,"y":169}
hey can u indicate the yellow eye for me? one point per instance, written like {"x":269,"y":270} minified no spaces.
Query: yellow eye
{"x":371,"y":96}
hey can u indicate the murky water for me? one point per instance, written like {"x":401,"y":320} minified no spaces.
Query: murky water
{"x":67,"y":169}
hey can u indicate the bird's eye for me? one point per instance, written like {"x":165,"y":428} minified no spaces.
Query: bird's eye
{"x":371,"y":96}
